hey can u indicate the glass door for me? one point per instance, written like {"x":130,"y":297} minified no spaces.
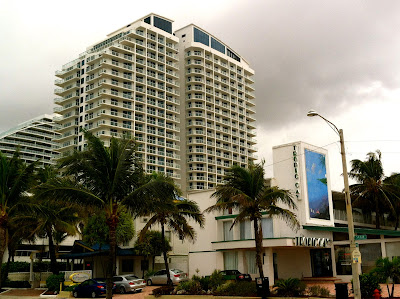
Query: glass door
{"x":321,"y":262}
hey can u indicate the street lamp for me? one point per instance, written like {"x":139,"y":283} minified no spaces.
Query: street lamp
{"x":353,"y":248}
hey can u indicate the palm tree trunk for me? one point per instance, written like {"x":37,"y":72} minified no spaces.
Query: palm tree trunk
{"x":3,"y":244}
{"x":112,"y":225}
{"x":377,"y":215}
{"x":52,"y":251}
{"x":258,"y":240}
{"x":4,"y":274}
{"x":169,"y":281}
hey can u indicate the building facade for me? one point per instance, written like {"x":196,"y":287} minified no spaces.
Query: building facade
{"x":186,"y":97}
{"x":35,"y":139}
{"x":320,"y":248}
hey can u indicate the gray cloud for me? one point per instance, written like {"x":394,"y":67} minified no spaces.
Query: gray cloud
{"x":306,"y":54}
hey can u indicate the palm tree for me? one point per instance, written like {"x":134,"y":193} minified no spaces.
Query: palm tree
{"x":172,"y":212}
{"x":106,"y":178}
{"x":388,"y":269}
{"x":151,"y":245}
{"x":371,"y":192}
{"x":16,"y":178}
{"x":246,"y":190}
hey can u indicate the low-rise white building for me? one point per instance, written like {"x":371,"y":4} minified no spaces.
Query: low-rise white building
{"x":320,"y":248}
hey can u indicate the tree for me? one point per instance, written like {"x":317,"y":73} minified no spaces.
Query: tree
{"x":247,"y":191}
{"x":16,"y":178}
{"x":372,"y":192}
{"x":106,"y":178}
{"x":152,"y":245}
{"x":388,"y":269}
{"x":174,"y":214}
{"x":96,"y":230}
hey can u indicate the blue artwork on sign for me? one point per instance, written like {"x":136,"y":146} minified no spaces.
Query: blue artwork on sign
{"x":317,"y":185}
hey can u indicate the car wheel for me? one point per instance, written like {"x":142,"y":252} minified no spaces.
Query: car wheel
{"x":122,"y":290}
{"x":94,"y":295}
{"x":75,"y":294}
{"x":149,"y":282}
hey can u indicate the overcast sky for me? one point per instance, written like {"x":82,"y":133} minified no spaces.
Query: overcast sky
{"x":341,"y":58}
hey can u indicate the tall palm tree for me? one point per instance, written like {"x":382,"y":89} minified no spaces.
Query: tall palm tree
{"x":106,"y":178}
{"x":16,"y":177}
{"x":371,"y":192}
{"x":172,"y":213}
{"x":247,"y":191}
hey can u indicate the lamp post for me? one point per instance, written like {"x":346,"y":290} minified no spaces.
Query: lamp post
{"x":349,"y":211}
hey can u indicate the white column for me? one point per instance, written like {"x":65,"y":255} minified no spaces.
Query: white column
{"x":268,"y":265}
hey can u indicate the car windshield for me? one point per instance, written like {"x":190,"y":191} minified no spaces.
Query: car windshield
{"x":100,"y":280}
{"x":177,"y":271}
{"x":131,"y":277}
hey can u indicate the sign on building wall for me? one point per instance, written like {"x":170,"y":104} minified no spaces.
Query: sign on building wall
{"x":317,"y":185}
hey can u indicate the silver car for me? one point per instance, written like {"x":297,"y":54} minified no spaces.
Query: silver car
{"x":160,"y":277}
{"x":128,"y":283}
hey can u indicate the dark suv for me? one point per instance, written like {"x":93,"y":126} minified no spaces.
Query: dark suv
{"x":235,"y":275}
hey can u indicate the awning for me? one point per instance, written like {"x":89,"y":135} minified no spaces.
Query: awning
{"x":364,"y":231}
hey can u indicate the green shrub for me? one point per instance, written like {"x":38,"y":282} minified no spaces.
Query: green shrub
{"x":166,"y":290}
{"x":368,"y":283}
{"x":240,"y":288}
{"x":191,"y":287}
{"x":17,"y":284}
{"x":318,"y":291}
{"x":290,"y":287}
{"x":53,"y":281}
{"x":205,"y":283}
{"x":216,"y":279}
{"x":196,"y":277}
{"x":70,"y":288}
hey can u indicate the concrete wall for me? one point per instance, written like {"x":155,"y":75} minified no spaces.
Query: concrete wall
{"x":293,"y":262}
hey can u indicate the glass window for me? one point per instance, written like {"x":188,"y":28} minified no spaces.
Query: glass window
{"x":147,"y":20}
{"x":343,"y":260}
{"x":201,"y":37}
{"x":127,"y":265}
{"x":163,"y":24}
{"x":267,"y":228}
{"x":393,"y":249}
{"x":228,"y":233}
{"x":245,"y":230}
{"x":369,"y":254}
{"x":230,"y":260}
{"x":251,"y":262}
{"x":217,"y":45}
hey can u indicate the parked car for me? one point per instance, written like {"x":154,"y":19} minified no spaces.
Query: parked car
{"x":129,"y":283}
{"x":160,"y":277}
{"x":235,"y":275}
{"x":90,"y":288}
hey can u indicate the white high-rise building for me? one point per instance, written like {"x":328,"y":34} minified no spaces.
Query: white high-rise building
{"x":186,"y":97}
{"x":35,"y":140}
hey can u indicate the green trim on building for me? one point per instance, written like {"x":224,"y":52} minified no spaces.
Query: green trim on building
{"x":233,"y":216}
{"x":368,"y":231}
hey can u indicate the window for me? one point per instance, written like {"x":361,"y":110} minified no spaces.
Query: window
{"x":267,"y":228}
{"x":127,"y":265}
{"x":201,"y":37}
{"x":245,"y":230}
{"x":251,"y":262}
{"x":163,"y":24}
{"x":228,"y":233}
{"x":230,"y":260}
{"x":217,"y":45}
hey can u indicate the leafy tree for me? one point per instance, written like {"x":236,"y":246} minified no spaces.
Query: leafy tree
{"x":388,"y":269}
{"x":16,"y":178}
{"x":246,"y":190}
{"x":97,"y":231}
{"x":372,"y":192}
{"x":152,"y":245}
{"x":174,"y":214}
{"x":106,"y":178}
